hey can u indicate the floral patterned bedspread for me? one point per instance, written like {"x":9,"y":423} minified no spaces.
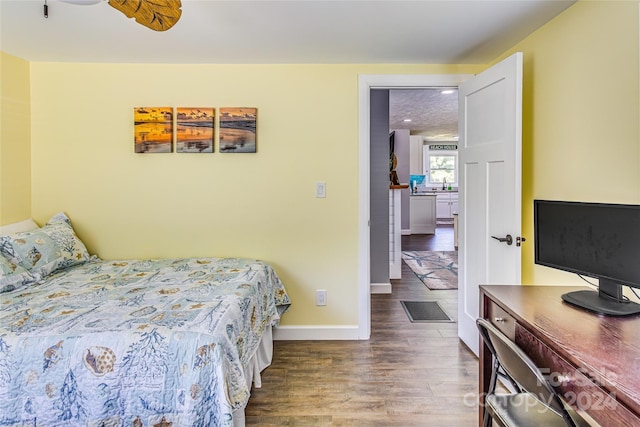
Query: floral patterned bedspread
{"x":135,"y":342}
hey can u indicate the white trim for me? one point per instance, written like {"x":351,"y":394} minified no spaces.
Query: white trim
{"x":381,"y":288}
{"x":366,"y":82}
{"x":406,"y":232}
{"x":330,"y":332}
{"x":364,"y":271}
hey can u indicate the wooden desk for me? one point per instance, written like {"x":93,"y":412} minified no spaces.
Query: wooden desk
{"x":594,"y":360}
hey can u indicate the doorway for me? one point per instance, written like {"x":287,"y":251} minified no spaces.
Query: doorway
{"x":425,"y":122}
{"x":365,"y":85}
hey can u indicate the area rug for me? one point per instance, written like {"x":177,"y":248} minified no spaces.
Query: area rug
{"x":436,"y":269}
{"x":425,"y":311}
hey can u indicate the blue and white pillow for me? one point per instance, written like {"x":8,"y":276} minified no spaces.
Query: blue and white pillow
{"x":13,"y":276}
{"x":45,"y":250}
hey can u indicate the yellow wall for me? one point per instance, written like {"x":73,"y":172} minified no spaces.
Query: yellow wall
{"x":15,"y":148}
{"x":581,"y":142}
{"x":581,"y":137}
{"x":262,"y":205}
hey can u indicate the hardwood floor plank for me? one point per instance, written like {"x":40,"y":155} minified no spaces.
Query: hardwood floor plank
{"x":407,"y":374}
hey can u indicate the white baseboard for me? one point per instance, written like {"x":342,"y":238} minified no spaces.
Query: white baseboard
{"x":380,"y":288}
{"x":405,"y":232}
{"x":297,"y":333}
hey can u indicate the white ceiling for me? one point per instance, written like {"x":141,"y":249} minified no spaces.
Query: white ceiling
{"x":266,"y":31}
{"x":433,"y":114}
{"x":289,"y":32}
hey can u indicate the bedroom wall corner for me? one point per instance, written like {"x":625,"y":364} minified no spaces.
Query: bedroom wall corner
{"x":15,"y":139}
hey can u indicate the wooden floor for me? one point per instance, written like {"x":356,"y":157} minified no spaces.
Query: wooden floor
{"x":407,"y":374}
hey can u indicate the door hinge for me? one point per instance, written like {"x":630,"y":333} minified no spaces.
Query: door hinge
{"x":520,"y":240}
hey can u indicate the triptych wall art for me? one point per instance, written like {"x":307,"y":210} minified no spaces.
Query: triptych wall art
{"x":194,"y":129}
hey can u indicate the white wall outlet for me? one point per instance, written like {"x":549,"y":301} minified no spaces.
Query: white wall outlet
{"x":321,"y":297}
{"x":321,"y":189}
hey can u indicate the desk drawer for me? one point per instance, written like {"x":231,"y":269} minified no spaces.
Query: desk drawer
{"x":501,"y":319}
{"x":580,"y":391}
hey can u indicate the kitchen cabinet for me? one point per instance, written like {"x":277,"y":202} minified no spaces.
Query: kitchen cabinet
{"x":447,"y":205}
{"x":455,"y":230}
{"x":415,"y":155}
{"x":422,"y":214}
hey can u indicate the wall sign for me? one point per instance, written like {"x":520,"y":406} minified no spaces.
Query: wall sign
{"x":443,"y":147}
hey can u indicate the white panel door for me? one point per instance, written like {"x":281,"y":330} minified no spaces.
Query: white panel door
{"x":490,"y":147}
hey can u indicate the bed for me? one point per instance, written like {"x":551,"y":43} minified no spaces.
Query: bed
{"x":92,"y":342}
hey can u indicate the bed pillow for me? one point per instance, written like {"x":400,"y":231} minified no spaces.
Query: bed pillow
{"x":42,"y":251}
{"x":13,"y":276}
{"x":17,"y":227}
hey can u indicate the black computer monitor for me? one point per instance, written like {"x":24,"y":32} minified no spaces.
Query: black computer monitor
{"x":598,"y":240}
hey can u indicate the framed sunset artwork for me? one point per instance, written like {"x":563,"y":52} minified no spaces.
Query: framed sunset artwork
{"x":194,"y":129}
{"x":238,"y":130}
{"x":153,"y":129}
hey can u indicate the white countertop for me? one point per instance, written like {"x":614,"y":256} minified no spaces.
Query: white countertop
{"x":434,"y":192}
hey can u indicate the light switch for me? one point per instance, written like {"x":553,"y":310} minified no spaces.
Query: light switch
{"x":321,"y":297}
{"x":321,"y":189}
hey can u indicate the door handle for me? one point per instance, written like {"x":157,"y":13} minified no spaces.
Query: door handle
{"x":508,"y":239}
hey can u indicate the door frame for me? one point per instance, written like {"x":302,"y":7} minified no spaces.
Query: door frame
{"x":366,"y":82}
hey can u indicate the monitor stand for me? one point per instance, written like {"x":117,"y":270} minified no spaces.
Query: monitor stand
{"x":607,"y":300}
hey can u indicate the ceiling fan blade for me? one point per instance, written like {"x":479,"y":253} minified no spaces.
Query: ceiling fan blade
{"x":159,"y":15}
